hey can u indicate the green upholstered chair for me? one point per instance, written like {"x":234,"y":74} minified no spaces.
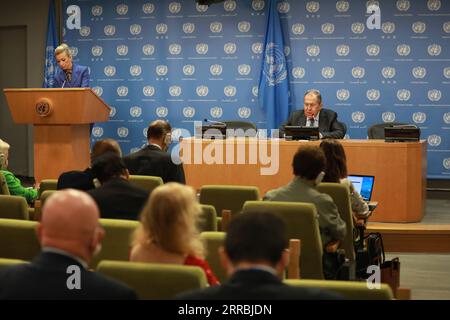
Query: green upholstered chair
{"x":3,"y":185}
{"x":348,"y":289}
{"x":18,"y":239}
{"x":116,"y":244}
{"x":341,"y":197}
{"x":6,"y":263}
{"x":301,"y":223}
{"x":213,"y":241}
{"x":146,"y":182}
{"x":47,"y":184}
{"x":207,"y":219}
{"x":154,"y":280}
{"x":13,"y":207}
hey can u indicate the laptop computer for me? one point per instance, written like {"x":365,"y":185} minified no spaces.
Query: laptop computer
{"x":364,"y":185}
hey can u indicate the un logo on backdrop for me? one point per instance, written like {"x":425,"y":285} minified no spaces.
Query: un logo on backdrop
{"x":446,"y":163}
{"x":122,"y":9}
{"x":112,"y":112}
{"x":122,"y":132}
{"x":162,"y":70}
{"x":287,"y":51}
{"x":313,"y":50}
{"x":434,"y":5}
{"x":216,"y":69}
{"x":216,"y":112}
{"x":419,"y":72}
{"x":175,"y":49}
{"x":388,"y":72}
{"x":110,"y":71}
{"x":188,"y":28}
{"x":419,"y":27}
{"x":257,"y":47}
{"x":244,"y":113}
{"x":419,"y":117}
{"x":97,"y":51}
{"x":446,"y":72}
{"x":357,"y":28}
{"x":446,"y":27}
{"x":403,"y":94}
{"x":342,"y":6}
{"x":229,"y":5}
{"x":229,"y":91}
{"x":202,"y":48}
{"x":312,"y":6}
{"x":148,"y":91}
{"x":122,"y":91}
{"x":97,"y":132}
{"x":388,"y":117}
{"x":388,"y":27}
{"x":434,"y":95}
{"x":135,"y":29}
{"x":175,"y":91}
{"x":244,"y":69}
{"x":328,"y":72}
{"x":135,"y":112}
{"x":358,"y":116}
{"x":403,"y":50}
{"x":446,"y":117}
{"x":284,"y":7}
{"x":342,"y":50}
{"x":162,"y":112}
{"x":109,"y":30}
{"x":373,"y":94}
{"x":189,"y":69}
{"x":258,"y":5}
{"x":342,"y":94}
{"x":188,"y":112}
{"x":97,"y":11}
{"x":135,"y":70}
{"x":161,"y":28}
{"x":434,"y":50}
{"x":373,"y":50}
{"x":403,"y":5}
{"x":255,"y":91}
{"x":148,"y":8}
{"x":215,"y":27}
{"x":201,"y":8}
{"x":98,"y":91}
{"x":298,"y":29}
{"x":148,"y":49}
{"x":244,"y":26}
{"x":85,"y":31}
{"x":73,"y":51}
{"x":434,"y":140}
{"x":122,"y":50}
{"x":175,"y":7}
{"x":358,"y":72}
{"x":229,"y":48}
{"x":327,"y":28}
{"x":202,"y":91}
{"x":298,"y":72}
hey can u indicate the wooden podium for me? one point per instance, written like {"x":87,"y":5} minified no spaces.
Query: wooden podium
{"x":61,"y":120}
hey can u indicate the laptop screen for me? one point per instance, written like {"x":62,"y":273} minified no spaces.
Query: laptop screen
{"x":363,"y":184}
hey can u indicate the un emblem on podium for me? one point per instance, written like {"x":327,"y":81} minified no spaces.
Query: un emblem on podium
{"x":44,"y":108}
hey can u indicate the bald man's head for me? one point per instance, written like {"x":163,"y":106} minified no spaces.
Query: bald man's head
{"x":70,"y":222}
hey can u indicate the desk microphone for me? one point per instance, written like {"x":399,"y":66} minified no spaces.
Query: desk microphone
{"x":63,"y":84}
{"x":216,"y":122}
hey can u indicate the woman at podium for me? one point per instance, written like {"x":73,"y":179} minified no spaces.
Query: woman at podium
{"x":70,"y":75}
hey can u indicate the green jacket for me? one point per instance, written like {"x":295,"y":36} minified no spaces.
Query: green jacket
{"x":16,"y":189}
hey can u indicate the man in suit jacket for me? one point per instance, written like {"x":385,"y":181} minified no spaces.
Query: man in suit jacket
{"x":154,"y":160}
{"x":255,"y":263}
{"x":313,"y":115}
{"x":70,"y":236}
{"x":116,"y":198}
{"x":69,"y":75}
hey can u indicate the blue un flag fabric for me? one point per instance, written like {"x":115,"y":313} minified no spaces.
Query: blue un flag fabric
{"x":51,"y":44}
{"x":273,"y":93}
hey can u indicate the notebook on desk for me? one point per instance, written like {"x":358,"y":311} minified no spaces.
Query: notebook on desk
{"x":364,"y":185}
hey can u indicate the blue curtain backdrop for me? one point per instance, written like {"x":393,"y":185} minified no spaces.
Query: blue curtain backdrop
{"x":183,"y":62}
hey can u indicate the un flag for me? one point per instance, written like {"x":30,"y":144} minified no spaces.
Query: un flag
{"x":51,"y":44}
{"x":273,"y":93}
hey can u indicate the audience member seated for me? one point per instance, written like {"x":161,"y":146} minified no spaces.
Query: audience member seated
{"x":14,"y":185}
{"x":116,"y":197}
{"x":84,"y":180}
{"x":70,"y":236}
{"x":255,"y":256}
{"x":169,"y":230}
{"x":154,"y":160}
{"x":308,"y":164}
{"x":336,"y":171}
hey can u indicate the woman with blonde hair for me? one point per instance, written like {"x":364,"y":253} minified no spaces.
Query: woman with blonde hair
{"x":168,"y":233}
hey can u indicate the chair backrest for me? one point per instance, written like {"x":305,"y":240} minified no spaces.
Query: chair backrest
{"x":351,"y":290}
{"x":213,"y":241}
{"x":116,"y":244}
{"x":18,"y":239}
{"x":376,"y":131}
{"x":227,"y":197}
{"x":6,"y":263}
{"x":3,"y":185}
{"x":153,"y":280}
{"x":146,"y":182}
{"x":47,"y":184}
{"x":302,"y":223}
{"x":208,"y":219}
{"x":13,"y":207}
{"x":249,"y":128}
{"x":341,"y":197}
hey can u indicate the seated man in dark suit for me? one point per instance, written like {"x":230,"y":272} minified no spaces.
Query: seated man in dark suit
{"x":313,"y":115}
{"x":116,"y":198}
{"x":255,"y":257}
{"x":154,"y":160}
{"x":70,"y":236}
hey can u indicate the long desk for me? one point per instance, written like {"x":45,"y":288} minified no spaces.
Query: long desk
{"x":399,"y":169}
